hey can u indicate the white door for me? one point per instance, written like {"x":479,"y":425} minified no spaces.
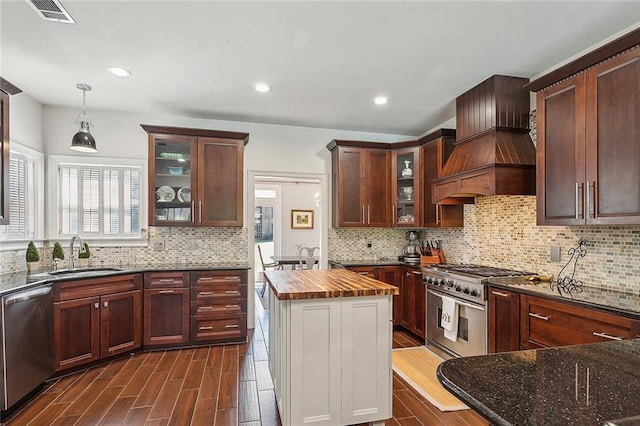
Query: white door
{"x":266,"y":225}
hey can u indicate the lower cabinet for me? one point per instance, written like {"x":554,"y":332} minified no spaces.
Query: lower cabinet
{"x":219,"y":306}
{"x":342,"y":374}
{"x":414,"y":312}
{"x":96,"y":318}
{"x":166,"y":308}
{"x":503,"y":320}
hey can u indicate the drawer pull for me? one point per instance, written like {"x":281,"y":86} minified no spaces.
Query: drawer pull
{"x":232,"y":306}
{"x":416,"y":272}
{"x":231,"y":279}
{"x":96,"y":305}
{"x":205,"y":279}
{"x":206,"y":293}
{"x":363,"y":273}
{"x":606,"y":336}
{"x":207,"y":327}
{"x":232,"y":292}
{"x":231,"y":326}
{"x":542,"y":317}
{"x":498,"y":293}
{"x":166,"y":280}
{"x":205,"y":308}
{"x":165,"y":291}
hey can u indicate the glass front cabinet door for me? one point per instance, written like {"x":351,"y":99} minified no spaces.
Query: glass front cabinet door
{"x":172,"y":179}
{"x":406,"y":186}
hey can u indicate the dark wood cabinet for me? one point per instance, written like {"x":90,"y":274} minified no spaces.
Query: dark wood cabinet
{"x":436,"y":149}
{"x":6,"y":89}
{"x":361,"y":185}
{"x":503,"y":320}
{"x":96,"y":318}
{"x":406,"y":187}
{"x":195,"y":176}
{"x":588,"y":126}
{"x":166,"y":308}
{"x":547,"y":323}
{"x":218,"y":306}
{"x":413,"y":301}
{"x":390,"y":275}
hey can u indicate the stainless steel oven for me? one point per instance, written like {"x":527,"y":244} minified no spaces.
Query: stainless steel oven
{"x":466,"y":285}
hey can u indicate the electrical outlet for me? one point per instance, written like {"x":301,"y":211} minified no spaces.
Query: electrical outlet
{"x":369,"y":245}
{"x":158,"y":245}
{"x":555,"y":254}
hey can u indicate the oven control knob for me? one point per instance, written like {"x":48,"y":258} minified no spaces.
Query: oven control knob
{"x":466,"y":290}
{"x":459,"y":288}
{"x":450,"y":283}
{"x":430,"y":280}
{"x":475,"y":293}
{"x":440,"y":282}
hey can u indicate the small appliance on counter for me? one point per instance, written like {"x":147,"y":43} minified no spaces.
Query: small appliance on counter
{"x":412,"y":250}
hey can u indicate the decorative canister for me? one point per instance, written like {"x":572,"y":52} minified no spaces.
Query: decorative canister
{"x":407,"y":172}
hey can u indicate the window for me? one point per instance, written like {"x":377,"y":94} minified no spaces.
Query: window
{"x":25,"y":195}
{"x":99,"y":200}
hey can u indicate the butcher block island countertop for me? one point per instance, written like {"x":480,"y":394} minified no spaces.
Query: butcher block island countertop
{"x":324,"y":283}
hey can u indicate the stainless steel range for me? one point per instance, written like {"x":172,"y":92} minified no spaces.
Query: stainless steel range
{"x":465,"y":284}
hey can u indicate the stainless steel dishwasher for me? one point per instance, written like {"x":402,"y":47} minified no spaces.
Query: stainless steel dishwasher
{"x":27,"y":343}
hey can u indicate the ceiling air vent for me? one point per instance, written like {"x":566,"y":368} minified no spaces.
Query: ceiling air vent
{"x":51,"y":10}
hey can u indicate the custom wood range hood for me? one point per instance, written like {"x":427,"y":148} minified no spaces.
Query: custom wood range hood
{"x":493,"y":154}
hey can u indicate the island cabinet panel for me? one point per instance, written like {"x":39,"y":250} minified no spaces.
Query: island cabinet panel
{"x":503,"y":320}
{"x":342,"y":375}
{"x":546,"y":323}
{"x":361,"y":187}
{"x":587,"y":151}
{"x":218,"y":306}
{"x":166,"y":308}
{"x":96,"y":318}
{"x":390,"y":275}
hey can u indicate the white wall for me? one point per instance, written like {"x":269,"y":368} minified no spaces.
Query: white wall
{"x":26,"y":121}
{"x":300,"y":196}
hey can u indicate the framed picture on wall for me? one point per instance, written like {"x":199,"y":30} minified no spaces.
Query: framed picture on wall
{"x":301,"y":219}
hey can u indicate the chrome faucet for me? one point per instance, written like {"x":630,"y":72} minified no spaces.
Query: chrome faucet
{"x":72,"y":260}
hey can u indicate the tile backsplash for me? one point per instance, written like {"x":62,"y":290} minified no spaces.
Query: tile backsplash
{"x":501,"y":231}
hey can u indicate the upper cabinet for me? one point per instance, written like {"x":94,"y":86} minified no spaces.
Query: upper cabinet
{"x":361,"y":184}
{"x":406,"y":186}
{"x":6,"y":89}
{"x":588,"y":151}
{"x":195,"y":176}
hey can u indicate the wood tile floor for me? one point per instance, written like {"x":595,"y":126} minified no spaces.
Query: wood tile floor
{"x":217,"y":385}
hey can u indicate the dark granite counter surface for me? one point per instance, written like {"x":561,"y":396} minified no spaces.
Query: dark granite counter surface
{"x":10,"y":283}
{"x":619,"y":302}
{"x":594,"y":384}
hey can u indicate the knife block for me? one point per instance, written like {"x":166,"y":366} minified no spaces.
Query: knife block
{"x":430,"y":260}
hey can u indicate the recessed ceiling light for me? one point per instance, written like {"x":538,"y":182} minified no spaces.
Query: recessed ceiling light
{"x":262,"y":87}
{"x":120,"y":72}
{"x":380,"y":100}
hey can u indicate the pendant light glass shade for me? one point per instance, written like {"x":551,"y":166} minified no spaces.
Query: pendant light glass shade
{"x":83,"y":141}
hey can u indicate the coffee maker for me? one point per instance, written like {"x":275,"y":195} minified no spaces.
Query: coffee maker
{"x":412,"y":250}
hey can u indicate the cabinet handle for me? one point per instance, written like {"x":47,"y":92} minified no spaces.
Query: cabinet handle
{"x":96,"y":305}
{"x":588,"y":376}
{"x":193,"y":210}
{"x":166,"y":280}
{"x":363,"y":214}
{"x":368,"y":215}
{"x":206,"y":293}
{"x":208,"y":327}
{"x":591,"y":198}
{"x":499,"y":293}
{"x":205,"y":308}
{"x":231,"y":279}
{"x":232,"y":306}
{"x":363,"y":273}
{"x":542,"y":317}
{"x":231,"y":326}
{"x":437,"y":214}
{"x":232,"y":292}
{"x":105,"y":304}
{"x":203,"y":279}
{"x":165,"y":291}
{"x":393,"y":214}
{"x":416,"y":273}
{"x":606,"y":336}
{"x":579,"y":207}
{"x":200,"y":211}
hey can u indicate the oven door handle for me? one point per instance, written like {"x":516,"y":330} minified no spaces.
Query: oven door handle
{"x":468,"y":305}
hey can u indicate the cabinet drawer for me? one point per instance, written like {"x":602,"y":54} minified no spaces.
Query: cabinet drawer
{"x":212,"y":306}
{"x":218,"y":277}
{"x":219,"y":292}
{"x":230,"y":326}
{"x":166,"y":279}
{"x":70,"y":290}
{"x":548,"y":323}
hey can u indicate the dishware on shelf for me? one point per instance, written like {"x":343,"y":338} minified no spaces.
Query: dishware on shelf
{"x":406,"y":193}
{"x":184,"y":194}
{"x":175,"y":170}
{"x":172,"y":155}
{"x":407,"y":172}
{"x":165,"y":193}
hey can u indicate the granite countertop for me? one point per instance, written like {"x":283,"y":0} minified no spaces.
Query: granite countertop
{"x":571,"y":385}
{"x":10,"y":283}
{"x":619,"y":302}
{"x":324,"y":283}
{"x":371,"y":262}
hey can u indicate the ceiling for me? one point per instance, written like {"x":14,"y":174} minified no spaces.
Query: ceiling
{"x":326,"y":60}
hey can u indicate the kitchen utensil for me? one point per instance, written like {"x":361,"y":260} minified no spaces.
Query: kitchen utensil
{"x":175,"y":170}
{"x":184,"y":194}
{"x":165,"y":194}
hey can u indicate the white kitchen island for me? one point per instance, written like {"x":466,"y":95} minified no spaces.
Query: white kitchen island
{"x":330,"y":336}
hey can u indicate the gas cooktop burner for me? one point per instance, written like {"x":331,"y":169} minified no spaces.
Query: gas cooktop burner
{"x":483,"y":271}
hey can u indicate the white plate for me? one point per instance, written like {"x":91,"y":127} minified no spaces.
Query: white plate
{"x":184,"y":194}
{"x":165,"y":193}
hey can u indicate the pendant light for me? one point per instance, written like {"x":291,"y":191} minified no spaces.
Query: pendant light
{"x":83,"y":140}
